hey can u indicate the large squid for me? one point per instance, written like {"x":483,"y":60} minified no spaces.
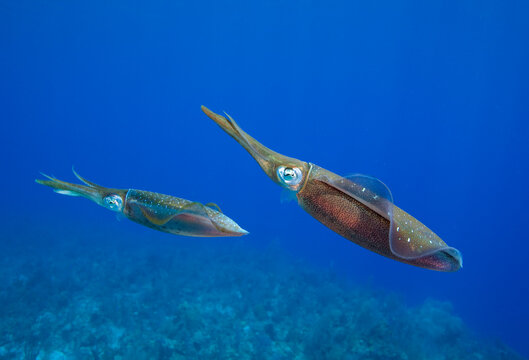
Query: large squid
{"x":359,"y":208}
{"x":157,"y":211}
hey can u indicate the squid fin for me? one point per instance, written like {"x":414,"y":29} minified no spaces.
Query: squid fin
{"x":200,"y":209}
{"x":368,"y":190}
{"x":192,"y":208}
{"x":408,"y":238}
{"x":214,"y":206}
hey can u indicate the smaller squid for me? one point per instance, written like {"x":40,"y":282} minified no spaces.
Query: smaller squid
{"x":157,"y":211}
{"x":359,"y":208}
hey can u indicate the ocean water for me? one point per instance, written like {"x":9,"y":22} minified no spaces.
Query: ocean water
{"x":430,"y":97}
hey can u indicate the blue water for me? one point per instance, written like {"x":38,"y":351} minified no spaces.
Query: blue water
{"x":430,"y":97}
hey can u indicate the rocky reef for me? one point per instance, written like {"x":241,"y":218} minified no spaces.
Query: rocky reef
{"x":96,"y":298}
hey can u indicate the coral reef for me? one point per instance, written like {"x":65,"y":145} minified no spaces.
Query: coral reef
{"x":195,"y":299}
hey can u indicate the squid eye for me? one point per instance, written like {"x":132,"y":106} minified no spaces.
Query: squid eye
{"x":289,"y":176}
{"x":113,"y":202}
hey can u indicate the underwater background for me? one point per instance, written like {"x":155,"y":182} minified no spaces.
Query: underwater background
{"x":430,"y":97}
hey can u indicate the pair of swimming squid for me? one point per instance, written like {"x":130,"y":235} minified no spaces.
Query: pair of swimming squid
{"x":358,"y":207}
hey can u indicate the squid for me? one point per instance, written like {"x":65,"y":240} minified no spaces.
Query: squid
{"x":157,"y":211}
{"x":358,"y":207}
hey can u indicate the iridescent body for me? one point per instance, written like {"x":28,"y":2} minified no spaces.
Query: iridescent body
{"x":359,"y":208}
{"x":157,"y":211}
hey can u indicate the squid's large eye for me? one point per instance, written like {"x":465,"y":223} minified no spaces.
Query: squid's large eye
{"x":289,"y":176}
{"x":113,"y":202}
